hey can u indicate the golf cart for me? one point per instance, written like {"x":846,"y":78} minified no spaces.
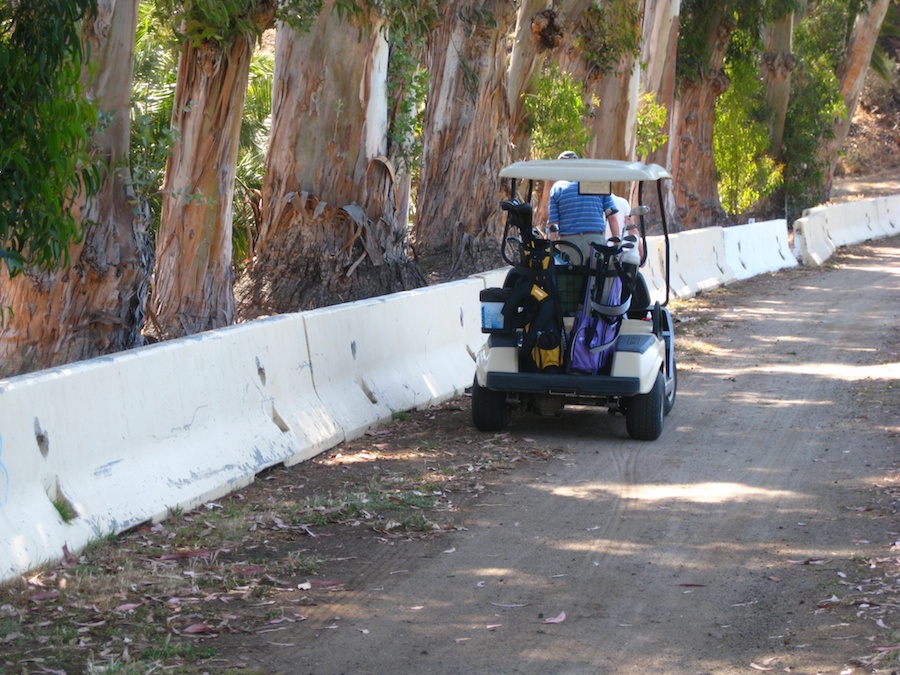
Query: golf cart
{"x":564,"y":330}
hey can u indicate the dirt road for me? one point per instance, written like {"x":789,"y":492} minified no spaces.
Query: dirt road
{"x":730,"y":545}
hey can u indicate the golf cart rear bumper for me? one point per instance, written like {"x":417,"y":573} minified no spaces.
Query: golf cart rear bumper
{"x":564,"y":385}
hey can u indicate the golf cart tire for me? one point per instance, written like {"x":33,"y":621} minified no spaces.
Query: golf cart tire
{"x":489,"y":409}
{"x":670,"y":397}
{"x":644,"y":413}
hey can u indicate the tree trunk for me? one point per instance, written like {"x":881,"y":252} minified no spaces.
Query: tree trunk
{"x":693,"y":161}
{"x":614,"y":119}
{"x":466,"y":130}
{"x":193,"y":279}
{"x":852,"y":76}
{"x":334,"y":225}
{"x":95,"y":306}
{"x":777,"y":64}
{"x":660,"y":50}
{"x":539,"y":29}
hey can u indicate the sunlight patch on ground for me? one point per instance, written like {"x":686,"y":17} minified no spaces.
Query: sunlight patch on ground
{"x":838,"y":371}
{"x":607,"y":546}
{"x":835,"y":371}
{"x":364,"y":456}
{"x":759,"y":399}
{"x":700,"y":493}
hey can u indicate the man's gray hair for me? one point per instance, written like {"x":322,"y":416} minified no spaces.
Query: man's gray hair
{"x":568,"y":154}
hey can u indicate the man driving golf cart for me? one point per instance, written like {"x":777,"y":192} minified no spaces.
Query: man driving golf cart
{"x":580,"y":218}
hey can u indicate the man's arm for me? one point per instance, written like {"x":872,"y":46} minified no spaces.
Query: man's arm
{"x":615,"y":224}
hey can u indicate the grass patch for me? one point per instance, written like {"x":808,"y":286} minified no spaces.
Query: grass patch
{"x":180,"y":650}
{"x":64,"y":509}
{"x":376,"y":504}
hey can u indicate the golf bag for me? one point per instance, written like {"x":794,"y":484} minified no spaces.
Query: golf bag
{"x":607,"y":298}
{"x":533,"y":303}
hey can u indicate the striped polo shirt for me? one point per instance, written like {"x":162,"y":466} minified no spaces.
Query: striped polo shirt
{"x":577,"y":213}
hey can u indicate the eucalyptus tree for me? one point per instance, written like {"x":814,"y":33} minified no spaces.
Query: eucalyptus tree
{"x":606,"y":56}
{"x":76,"y":232}
{"x":467,"y":137}
{"x":832,"y":47}
{"x":193,"y":275}
{"x":777,"y":63}
{"x":539,"y":32}
{"x":335,"y":195}
{"x":705,"y":33}
{"x":858,"y":45}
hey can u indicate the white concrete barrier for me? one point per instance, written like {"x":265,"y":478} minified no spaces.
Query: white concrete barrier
{"x":851,"y":222}
{"x":698,"y":261}
{"x":812,"y":242}
{"x":889,"y":215}
{"x":757,"y":248}
{"x":492,"y":278}
{"x":31,"y":527}
{"x":823,"y":229}
{"x":397,"y":352}
{"x":654,"y":269}
{"x":123,"y":439}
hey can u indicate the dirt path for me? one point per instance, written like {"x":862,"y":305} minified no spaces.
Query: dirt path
{"x":730,"y":545}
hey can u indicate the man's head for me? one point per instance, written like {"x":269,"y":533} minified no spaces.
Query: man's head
{"x":568,"y":154}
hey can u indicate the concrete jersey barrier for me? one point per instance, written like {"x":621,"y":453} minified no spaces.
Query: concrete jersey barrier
{"x":823,"y":229}
{"x":398,"y":352}
{"x":757,"y":248}
{"x":698,"y":261}
{"x":121,"y":440}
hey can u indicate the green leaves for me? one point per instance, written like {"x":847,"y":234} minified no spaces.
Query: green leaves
{"x":746,"y":173}
{"x":45,"y":132}
{"x":556,"y":113}
{"x":651,"y":125}
{"x":610,"y":32}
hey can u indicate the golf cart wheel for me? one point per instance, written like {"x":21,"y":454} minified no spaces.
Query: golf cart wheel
{"x":669,"y":399}
{"x":644,"y":413}
{"x":489,"y":410}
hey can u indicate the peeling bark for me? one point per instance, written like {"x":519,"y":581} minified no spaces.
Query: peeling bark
{"x":193,"y":278}
{"x":467,"y":126}
{"x":852,"y":76}
{"x":334,"y":225}
{"x":538,"y":30}
{"x":660,"y":39}
{"x":778,"y":63}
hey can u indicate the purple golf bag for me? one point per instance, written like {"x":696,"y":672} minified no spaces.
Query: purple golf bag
{"x":599,"y":318}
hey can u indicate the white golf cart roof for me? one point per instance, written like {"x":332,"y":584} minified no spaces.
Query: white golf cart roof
{"x":584,"y":170}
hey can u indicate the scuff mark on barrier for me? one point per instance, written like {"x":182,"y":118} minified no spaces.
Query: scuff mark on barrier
{"x":106,"y":469}
{"x":187,"y":427}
